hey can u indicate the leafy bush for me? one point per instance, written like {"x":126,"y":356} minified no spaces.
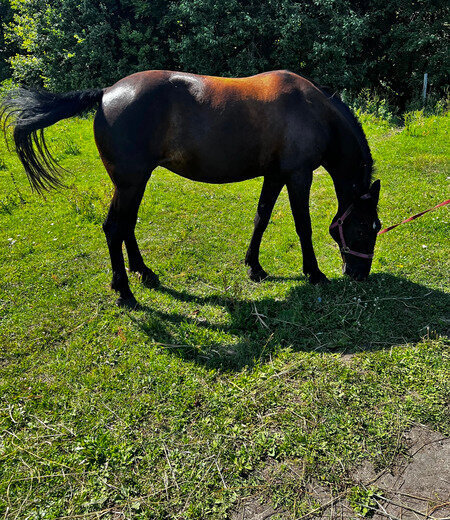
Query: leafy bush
{"x":347,"y":44}
{"x":368,"y":102}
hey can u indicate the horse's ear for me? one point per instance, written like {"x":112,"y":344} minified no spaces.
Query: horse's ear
{"x":374,"y":191}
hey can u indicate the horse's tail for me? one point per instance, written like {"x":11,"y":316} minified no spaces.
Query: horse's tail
{"x":28,"y":112}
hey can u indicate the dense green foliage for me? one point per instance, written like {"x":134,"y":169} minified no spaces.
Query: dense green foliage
{"x":347,"y":44}
{"x":216,"y":388}
{"x":6,"y":51}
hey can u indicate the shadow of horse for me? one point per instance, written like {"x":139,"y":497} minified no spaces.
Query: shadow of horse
{"x":342,"y":317}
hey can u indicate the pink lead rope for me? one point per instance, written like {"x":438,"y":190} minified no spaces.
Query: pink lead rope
{"x":385,"y":230}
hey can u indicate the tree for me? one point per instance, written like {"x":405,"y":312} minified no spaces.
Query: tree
{"x":323,"y":40}
{"x":85,"y":44}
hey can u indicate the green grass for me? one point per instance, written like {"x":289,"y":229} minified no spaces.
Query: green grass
{"x":216,"y":389}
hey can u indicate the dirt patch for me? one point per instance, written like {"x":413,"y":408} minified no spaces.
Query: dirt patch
{"x":415,"y":487}
{"x":251,"y":508}
{"x":420,"y":485}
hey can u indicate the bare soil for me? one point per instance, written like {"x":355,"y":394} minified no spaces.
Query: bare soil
{"x":415,"y":487}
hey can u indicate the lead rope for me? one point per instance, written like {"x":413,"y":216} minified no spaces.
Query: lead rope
{"x":417,"y":215}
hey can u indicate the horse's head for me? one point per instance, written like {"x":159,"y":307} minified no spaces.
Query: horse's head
{"x":355,"y":231}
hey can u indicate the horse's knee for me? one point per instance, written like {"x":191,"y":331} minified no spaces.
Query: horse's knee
{"x":108,"y":230}
{"x":110,"y":227}
{"x":115,"y":233}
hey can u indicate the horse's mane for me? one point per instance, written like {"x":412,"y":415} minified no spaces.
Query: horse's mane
{"x":358,"y":131}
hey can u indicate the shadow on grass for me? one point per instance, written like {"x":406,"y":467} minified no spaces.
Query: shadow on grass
{"x":342,"y":317}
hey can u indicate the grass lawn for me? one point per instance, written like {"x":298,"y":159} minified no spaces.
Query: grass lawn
{"x":217,"y":388}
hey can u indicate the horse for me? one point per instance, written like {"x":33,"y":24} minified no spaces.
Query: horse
{"x":277,"y":125}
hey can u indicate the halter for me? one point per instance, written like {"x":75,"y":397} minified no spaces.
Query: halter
{"x":339,"y":224}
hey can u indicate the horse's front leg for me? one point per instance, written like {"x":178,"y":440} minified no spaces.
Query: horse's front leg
{"x":136,"y":262}
{"x":269,"y":194}
{"x":299,"y":186}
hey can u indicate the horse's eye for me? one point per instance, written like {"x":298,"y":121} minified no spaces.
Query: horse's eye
{"x":374,"y":226}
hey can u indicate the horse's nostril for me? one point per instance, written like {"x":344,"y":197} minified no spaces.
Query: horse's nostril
{"x":360,"y":277}
{"x":354,"y":275}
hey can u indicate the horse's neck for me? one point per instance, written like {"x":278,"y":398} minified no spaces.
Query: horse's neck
{"x":349,"y":162}
{"x":348,"y":182}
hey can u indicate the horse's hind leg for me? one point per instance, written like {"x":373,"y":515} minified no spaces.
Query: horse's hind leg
{"x":299,"y":186}
{"x":135,"y":260}
{"x":137,"y":265}
{"x":269,"y":194}
{"x":119,"y":227}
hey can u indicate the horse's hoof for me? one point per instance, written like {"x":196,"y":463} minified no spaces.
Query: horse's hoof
{"x":318,"y":278}
{"x":127,"y":303}
{"x":257,"y":276}
{"x":150,"y":279}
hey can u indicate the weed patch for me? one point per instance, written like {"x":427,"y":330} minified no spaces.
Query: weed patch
{"x":90,"y":205}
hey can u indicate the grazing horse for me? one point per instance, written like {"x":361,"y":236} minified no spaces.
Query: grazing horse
{"x":277,"y":125}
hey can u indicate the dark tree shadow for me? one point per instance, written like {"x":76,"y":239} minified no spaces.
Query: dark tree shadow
{"x":341,"y":317}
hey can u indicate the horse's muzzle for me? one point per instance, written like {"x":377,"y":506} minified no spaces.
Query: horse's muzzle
{"x":359,"y":275}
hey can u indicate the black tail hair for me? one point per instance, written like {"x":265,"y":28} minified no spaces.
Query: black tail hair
{"x":28,"y":112}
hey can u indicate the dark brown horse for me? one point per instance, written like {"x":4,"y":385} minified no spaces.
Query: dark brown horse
{"x":276,"y":125}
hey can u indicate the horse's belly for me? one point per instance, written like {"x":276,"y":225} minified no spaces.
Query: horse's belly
{"x":217,"y":163}
{"x":203,"y":171}
{"x":213,"y":178}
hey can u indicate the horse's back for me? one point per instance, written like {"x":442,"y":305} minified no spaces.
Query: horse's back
{"x":210,"y":128}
